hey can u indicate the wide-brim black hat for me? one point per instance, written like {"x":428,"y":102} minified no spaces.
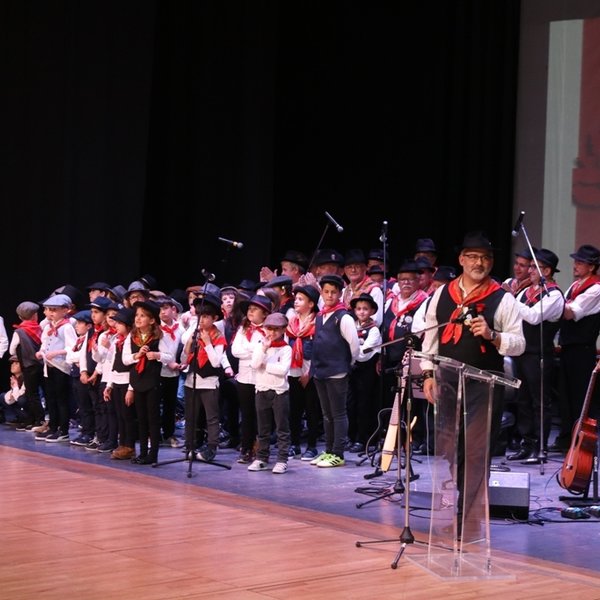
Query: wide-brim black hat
{"x":311,"y":292}
{"x":296,"y":257}
{"x":424,"y":264}
{"x":476,"y":239}
{"x":547,"y":257}
{"x":125,"y":315}
{"x":444,"y":273}
{"x":260,"y":301}
{"x":364,"y":298}
{"x":211,"y":299}
{"x":355,"y":256}
{"x":425,"y":245}
{"x":409,"y":266}
{"x":587,"y":254}
{"x":152,"y":307}
{"x":328,"y":255}
{"x":332,"y":280}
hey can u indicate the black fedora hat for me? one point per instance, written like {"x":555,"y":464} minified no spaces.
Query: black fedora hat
{"x":260,"y":301}
{"x":409,"y":266}
{"x":125,"y":315}
{"x":328,"y":255}
{"x":425,"y":245}
{"x":152,"y":307}
{"x":333,"y":280}
{"x":311,"y":292}
{"x":424,"y":264}
{"x":587,"y":254}
{"x":355,"y":256}
{"x":212,"y":299}
{"x":444,"y":273}
{"x":525,"y":253}
{"x":364,"y":298}
{"x":476,"y":239}
{"x":296,"y":257}
{"x":547,"y":257}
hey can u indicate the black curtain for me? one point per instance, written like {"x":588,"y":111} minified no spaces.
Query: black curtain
{"x":136,"y":133}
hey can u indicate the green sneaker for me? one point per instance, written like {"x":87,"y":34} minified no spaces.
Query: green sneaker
{"x":331,"y":460}
{"x":319,"y":458}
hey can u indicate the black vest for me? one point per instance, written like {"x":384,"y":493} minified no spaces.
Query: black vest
{"x":331,"y":353}
{"x":149,"y":378}
{"x":470,"y":349}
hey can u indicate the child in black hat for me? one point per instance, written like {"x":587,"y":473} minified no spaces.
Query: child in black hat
{"x":146,"y":351}
{"x":249,"y":333}
{"x":118,"y":390}
{"x":203,"y":353}
{"x":363,"y":401}
{"x":304,"y":400}
{"x":335,"y":349}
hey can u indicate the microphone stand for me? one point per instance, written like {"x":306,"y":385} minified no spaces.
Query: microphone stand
{"x":314,"y":254}
{"x":541,"y":457}
{"x":189,"y":455}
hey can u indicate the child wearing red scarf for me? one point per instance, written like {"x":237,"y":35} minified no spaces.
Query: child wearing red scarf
{"x":146,"y":351}
{"x":271,"y":360}
{"x":24,"y":344}
{"x":203,"y":352}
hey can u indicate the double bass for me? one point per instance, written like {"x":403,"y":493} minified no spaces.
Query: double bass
{"x":577,"y":466}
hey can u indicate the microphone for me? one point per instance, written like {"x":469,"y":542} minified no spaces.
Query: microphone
{"x":517,"y":227}
{"x":334,"y":222}
{"x":208,"y":275}
{"x":469,"y":314}
{"x":383,"y":236}
{"x":237,"y":245}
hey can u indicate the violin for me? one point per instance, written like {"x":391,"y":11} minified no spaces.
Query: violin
{"x":577,"y":466}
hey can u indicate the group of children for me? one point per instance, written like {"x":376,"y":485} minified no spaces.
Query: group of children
{"x":121,"y":364}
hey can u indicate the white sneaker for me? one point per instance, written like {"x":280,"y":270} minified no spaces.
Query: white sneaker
{"x":280,"y":468}
{"x":318,"y":459}
{"x":258,"y":465}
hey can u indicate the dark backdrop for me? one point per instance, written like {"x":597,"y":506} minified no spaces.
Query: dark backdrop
{"x":135,"y":133}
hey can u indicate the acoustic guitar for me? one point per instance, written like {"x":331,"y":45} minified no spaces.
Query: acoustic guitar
{"x":391,"y":437}
{"x":577,"y":467}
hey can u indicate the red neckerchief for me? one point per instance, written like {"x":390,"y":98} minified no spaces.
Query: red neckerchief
{"x":111,"y":330}
{"x":415,"y":299}
{"x":79,"y":343}
{"x":580,"y":286}
{"x":98,"y":329}
{"x":119,"y":341}
{"x":533,"y":293}
{"x":363,"y":287}
{"x":516,"y":286}
{"x":280,"y":343}
{"x":250,"y":330}
{"x":32,"y":329}
{"x":137,"y":340}
{"x":216,"y":339}
{"x":453,"y":331}
{"x":329,"y":309}
{"x":53,"y":329}
{"x":170,"y":330}
{"x":296,"y":331}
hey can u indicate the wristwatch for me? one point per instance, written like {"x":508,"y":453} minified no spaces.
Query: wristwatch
{"x":494,"y":336}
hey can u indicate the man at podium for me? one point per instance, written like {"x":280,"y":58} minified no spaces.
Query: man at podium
{"x":472,"y":320}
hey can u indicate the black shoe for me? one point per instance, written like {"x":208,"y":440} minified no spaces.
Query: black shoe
{"x":522,"y":454}
{"x":356,"y":448}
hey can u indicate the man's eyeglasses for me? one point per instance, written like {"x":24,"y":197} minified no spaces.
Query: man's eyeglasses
{"x":472,"y":257}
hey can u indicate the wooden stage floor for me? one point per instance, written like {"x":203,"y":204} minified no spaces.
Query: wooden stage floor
{"x":90,"y":529}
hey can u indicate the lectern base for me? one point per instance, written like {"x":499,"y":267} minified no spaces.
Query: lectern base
{"x":460,"y":566}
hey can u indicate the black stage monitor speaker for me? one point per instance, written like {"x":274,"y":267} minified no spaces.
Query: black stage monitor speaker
{"x":509,"y":495}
